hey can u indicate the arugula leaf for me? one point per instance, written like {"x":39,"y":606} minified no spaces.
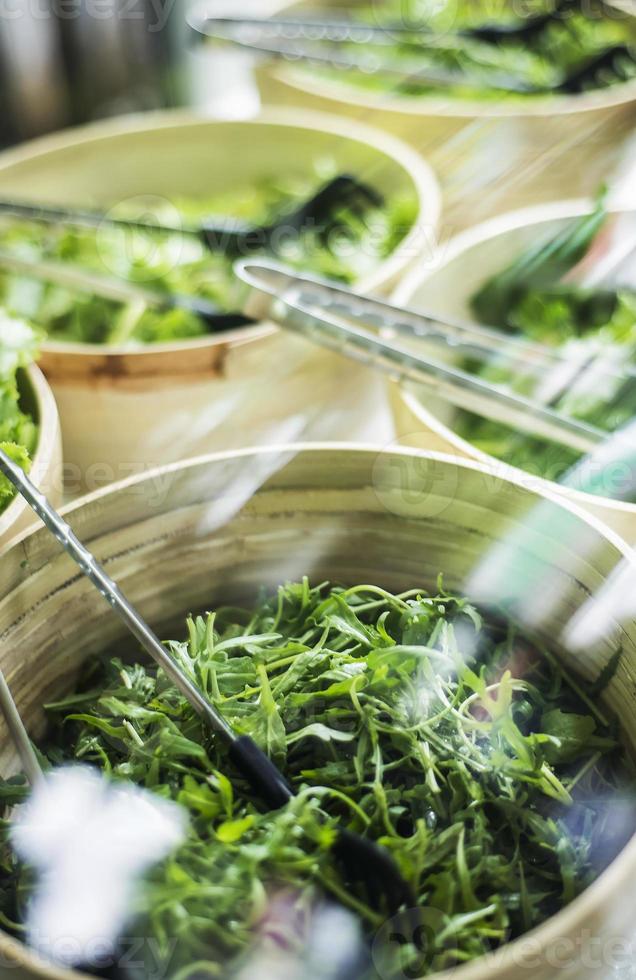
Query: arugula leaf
{"x":573,"y":735}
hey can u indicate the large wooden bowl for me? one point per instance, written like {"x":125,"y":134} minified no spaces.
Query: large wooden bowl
{"x":492,"y":155}
{"x":463,"y":266}
{"x":125,"y":411}
{"x":220,"y":528}
{"x":46,"y":466}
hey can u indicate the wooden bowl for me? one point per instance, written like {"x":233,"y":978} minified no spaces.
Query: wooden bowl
{"x":220,"y":528}
{"x":491,"y":155}
{"x":463,"y":266}
{"x":125,"y":411}
{"x":46,"y":465}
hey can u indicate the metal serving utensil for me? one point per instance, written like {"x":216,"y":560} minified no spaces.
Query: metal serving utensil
{"x":335,"y":317}
{"x":323,"y":25}
{"x":332,"y":42}
{"x":317,"y":297}
{"x":19,"y":734}
{"x":363,"y":862}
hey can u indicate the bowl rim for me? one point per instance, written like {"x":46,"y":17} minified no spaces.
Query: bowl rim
{"x":491,"y":966}
{"x":415,"y":167}
{"x":429,"y":105}
{"x":493,"y":228}
{"x":48,"y":423}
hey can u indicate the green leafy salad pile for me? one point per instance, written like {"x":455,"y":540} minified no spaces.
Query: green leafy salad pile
{"x":490,"y":774}
{"x":581,"y":33}
{"x":591,"y":325}
{"x":182,"y":264}
{"x":18,"y":430}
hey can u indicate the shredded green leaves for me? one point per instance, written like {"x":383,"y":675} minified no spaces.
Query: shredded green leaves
{"x":459,"y":745}
{"x":538,"y":62}
{"x":349,"y":249}
{"x":18,"y":430}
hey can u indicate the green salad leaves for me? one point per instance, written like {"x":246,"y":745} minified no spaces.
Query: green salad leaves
{"x":465,"y":749}
{"x":182,"y":264}
{"x":535,"y":297}
{"x":538,"y":62}
{"x":18,"y":430}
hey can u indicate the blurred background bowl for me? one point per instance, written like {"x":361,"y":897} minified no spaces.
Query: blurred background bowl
{"x":464,"y":265}
{"x":123,"y":410}
{"x":492,"y":155}
{"x":221,"y":528}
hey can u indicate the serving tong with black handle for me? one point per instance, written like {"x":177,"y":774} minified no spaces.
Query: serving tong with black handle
{"x":119,"y":290}
{"x":229,"y":236}
{"x":323,"y":40}
{"x":234,"y":238}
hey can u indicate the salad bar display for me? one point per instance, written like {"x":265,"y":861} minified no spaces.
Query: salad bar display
{"x":558,"y":281}
{"x":18,"y":430}
{"x":275,"y":707}
{"x":130,"y":373}
{"x":29,"y":422}
{"x":464,"y":50}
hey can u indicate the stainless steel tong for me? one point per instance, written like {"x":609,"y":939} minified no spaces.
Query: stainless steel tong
{"x":343,"y":44}
{"x":338,"y":42}
{"x":336,"y":317}
{"x":360,"y":327}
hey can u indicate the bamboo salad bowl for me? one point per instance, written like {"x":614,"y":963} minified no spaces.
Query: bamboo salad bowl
{"x":124,"y":410}
{"x":464,"y":265}
{"x":492,"y":155}
{"x":219,"y":528}
{"x":46,"y":466}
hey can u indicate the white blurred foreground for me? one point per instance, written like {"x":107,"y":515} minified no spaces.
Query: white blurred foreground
{"x":90,"y":840}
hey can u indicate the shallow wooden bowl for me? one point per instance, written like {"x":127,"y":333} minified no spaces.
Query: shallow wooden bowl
{"x":127,"y":410}
{"x":219,"y":528}
{"x":463,"y":266}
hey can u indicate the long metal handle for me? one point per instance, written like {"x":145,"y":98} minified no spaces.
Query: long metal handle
{"x":50,"y":214}
{"x":345,"y":30}
{"x":305,"y":304}
{"x":19,"y":734}
{"x":320,"y":44}
{"x":91,"y":568}
{"x":314,"y":28}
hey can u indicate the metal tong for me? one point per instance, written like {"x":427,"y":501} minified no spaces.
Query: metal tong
{"x":229,"y":236}
{"x":325,"y":41}
{"x":329,"y":314}
{"x":335,"y":317}
{"x":120,"y":290}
